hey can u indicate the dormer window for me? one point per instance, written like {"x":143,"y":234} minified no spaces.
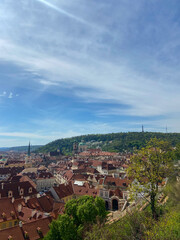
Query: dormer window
{"x":4,"y":216}
{"x":26,"y":235}
{"x":21,"y":191}
{"x":30,"y":190}
{"x":12,"y":214}
{"x":10,"y":194}
{"x":39,"y":230}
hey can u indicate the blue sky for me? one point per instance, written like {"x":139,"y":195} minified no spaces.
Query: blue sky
{"x":76,"y":67}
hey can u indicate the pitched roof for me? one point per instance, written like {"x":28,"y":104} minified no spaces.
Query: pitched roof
{"x":116,"y":181}
{"x":85,"y":190}
{"x":32,"y":228}
{"x":64,"y":190}
{"x":46,"y":203}
{"x":14,"y":232}
{"x":7,"y":210}
{"x":15,"y":188}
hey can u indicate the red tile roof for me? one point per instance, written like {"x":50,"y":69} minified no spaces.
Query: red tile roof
{"x":32,"y":228}
{"x":15,"y":187}
{"x":7,"y":210}
{"x":14,"y":232}
{"x":116,"y":181}
{"x":85,"y":190}
{"x":64,"y":190}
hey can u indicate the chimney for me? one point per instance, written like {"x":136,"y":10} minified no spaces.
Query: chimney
{"x":19,"y":208}
{"x":39,"y":214}
{"x":20,"y":224}
{"x":33,"y":213}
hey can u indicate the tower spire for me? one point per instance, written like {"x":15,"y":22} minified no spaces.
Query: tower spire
{"x":142,"y":128}
{"x":29,"y":149}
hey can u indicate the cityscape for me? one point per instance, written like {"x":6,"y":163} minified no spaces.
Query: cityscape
{"x":89,"y":120}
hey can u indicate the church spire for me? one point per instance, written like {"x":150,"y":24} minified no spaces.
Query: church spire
{"x":29,"y":150}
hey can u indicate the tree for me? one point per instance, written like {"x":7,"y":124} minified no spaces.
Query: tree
{"x":80,"y":215}
{"x":177,"y":152}
{"x":149,"y":166}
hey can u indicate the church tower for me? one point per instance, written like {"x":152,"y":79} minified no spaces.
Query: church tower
{"x":28,"y":162}
{"x":29,"y":150}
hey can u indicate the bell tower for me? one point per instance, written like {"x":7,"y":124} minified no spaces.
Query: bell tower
{"x":28,"y":162}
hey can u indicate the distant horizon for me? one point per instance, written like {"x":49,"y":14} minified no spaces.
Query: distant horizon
{"x":69,"y":68}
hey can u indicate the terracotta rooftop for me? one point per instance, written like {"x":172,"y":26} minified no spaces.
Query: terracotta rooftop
{"x":15,"y":188}
{"x":7,"y":210}
{"x":37,"y":229}
{"x":85,"y":190}
{"x":64,"y":190}
{"x":14,"y":232}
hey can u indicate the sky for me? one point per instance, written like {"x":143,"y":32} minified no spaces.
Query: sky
{"x":77,"y":67}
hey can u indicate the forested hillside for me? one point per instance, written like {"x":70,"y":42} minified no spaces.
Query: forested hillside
{"x":113,"y":142}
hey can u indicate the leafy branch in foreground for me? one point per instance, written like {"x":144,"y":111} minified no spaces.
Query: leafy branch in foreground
{"x":149,"y":167}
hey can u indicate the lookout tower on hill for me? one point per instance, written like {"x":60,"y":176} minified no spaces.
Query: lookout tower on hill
{"x":142,"y":128}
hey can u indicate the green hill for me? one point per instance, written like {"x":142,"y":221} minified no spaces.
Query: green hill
{"x":113,"y":142}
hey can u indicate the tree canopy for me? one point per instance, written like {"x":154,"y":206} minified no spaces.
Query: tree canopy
{"x":79,"y":216}
{"x":113,"y":142}
{"x":149,"y":166}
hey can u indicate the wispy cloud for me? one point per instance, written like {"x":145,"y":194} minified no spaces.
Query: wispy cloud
{"x":127,"y":59}
{"x":10,"y":95}
{"x":62,"y":11}
{"x":3,"y":94}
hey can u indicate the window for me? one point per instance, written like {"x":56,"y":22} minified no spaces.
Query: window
{"x":16,"y":223}
{"x":21,"y":192}
{"x":3,"y":225}
{"x":10,"y":224}
{"x":10,"y":194}
{"x":30,"y":190}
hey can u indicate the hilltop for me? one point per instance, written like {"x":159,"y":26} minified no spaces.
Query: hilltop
{"x":113,"y":142}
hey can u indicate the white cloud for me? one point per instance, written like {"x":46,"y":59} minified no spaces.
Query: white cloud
{"x":3,"y":94}
{"x":49,"y":83}
{"x":10,"y":95}
{"x":62,"y":53}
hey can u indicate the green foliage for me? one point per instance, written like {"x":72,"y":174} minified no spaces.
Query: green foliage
{"x":113,"y":142}
{"x":54,"y":232}
{"x":79,"y":216}
{"x":140,"y":225}
{"x":132,"y":226}
{"x":177,"y":152}
{"x":167,"y":228}
{"x":67,"y":228}
{"x":149,"y":166}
